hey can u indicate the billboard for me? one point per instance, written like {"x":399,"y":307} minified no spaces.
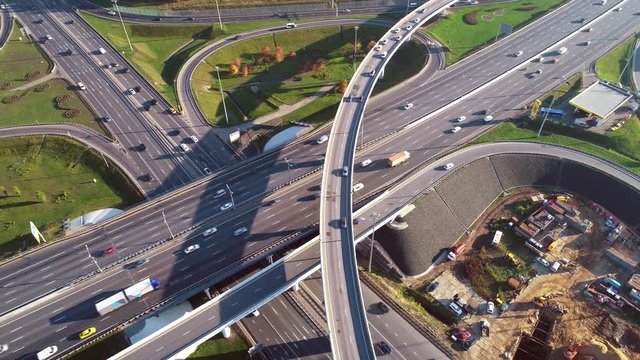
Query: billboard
{"x":234,"y":136}
{"x":535,"y":107}
{"x":36,"y":233}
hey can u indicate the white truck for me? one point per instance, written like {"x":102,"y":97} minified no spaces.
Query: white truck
{"x":129,"y":294}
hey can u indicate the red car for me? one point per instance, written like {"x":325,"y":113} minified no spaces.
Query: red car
{"x":110,"y":251}
{"x":555,"y":61}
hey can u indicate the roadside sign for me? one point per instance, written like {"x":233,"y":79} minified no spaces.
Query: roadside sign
{"x":234,"y":136}
{"x":36,"y":233}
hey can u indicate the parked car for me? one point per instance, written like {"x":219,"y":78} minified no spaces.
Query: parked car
{"x":191,"y":248}
{"x":431,"y":287}
{"x":542,"y":261}
{"x":455,"y":308}
{"x":207,"y":171}
{"x":490,"y":307}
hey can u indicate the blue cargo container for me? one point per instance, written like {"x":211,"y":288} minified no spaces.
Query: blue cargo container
{"x":613,"y":283}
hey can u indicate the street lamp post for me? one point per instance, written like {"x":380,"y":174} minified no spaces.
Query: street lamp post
{"x":219,"y":17}
{"x":231,"y":195}
{"x":624,"y":69}
{"x":555,"y":94}
{"x":288,"y":169}
{"x":355,"y":48}
{"x":115,"y":3}
{"x":224,"y":105}
{"x":166,"y":223}
{"x":374,"y":217}
{"x":92,"y":258}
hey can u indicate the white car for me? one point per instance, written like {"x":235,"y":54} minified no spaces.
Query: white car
{"x":184,"y":147}
{"x":210,"y":231}
{"x":586,"y":43}
{"x":460,"y":119}
{"x":518,"y":54}
{"x":490,"y":307}
{"x":383,"y":55}
{"x":3,"y":347}
{"x":191,"y":249}
{"x":219,"y":193}
{"x":372,"y":73}
{"x":456,"y":129}
{"x":397,"y":38}
{"x":49,"y":37}
{"x":455,"y":308}
{"x":226,"y":206}
{"x":448,"y":166}
{"x":408,"y":106}
{"x":194,"y":138}
{"x":542,"y":261}
{"x":2,"y":7}
{"x":396,"y":30}
{"x":416,"y":20}
{"x":131,"y":91}
{"x":366,"y":163}
{"x":111,"y":12}
{"x":239,"y":231}
{"x":102,"y":51}
{"x":322,"y":139}
{"x":384,"y":41}
{"x":207,"y":171}
{"x":377,"y":48}
{"x":488,"y":118}
{"x":47,"y":352}
{"x":408,"y":27}
{"x":358,"y":187}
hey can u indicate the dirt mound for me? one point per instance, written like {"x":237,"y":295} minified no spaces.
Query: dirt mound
{"x":470,"y":18}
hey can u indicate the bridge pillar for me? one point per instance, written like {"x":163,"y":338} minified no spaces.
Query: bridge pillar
{"x":226,"y":332}
{"x":208,"y":293}
{"x":296,"y":286}
{"x":382,"y":73}
{"x":270,"y":259}
{"x":256,"y":312}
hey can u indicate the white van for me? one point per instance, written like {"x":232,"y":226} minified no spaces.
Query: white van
{"x":102,"y":51}
{"x":496,"y":238}
{"x":555,"y":266}
{"x":47,"y":352}
{"x":562,"y":50}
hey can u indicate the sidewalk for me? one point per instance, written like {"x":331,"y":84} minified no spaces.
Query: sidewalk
{"x":282,"y":111}
{"x":635,"y":69}
{"x":52,"y":75}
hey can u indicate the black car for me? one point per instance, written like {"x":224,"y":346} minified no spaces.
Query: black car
{"x":432,"y":286}
{"x":39,"y":21}
{"x":136,"y":264}
{"x":114,"y":64}
{"x":142,"y":147}
{"x":146,"y":107}
{"x":238,"y":37}
{"x":383,"y":307}
{"x":147,"y":178}
{"x":153,"y":101}
{"x":157,"y":19}
{"x":469,"y":343}
{"x":125,"y":70}
{"x":71,"y":22}
{"x":68,"y":52}
{"x":384,"y":347}
{"x":190,"y":19}
{"x":137,"y":88}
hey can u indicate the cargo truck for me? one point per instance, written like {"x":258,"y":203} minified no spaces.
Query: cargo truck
{"x":399,"y":158}
{"x":127,"y":295}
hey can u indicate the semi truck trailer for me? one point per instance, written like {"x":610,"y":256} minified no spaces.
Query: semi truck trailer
{"x":123,"y":297}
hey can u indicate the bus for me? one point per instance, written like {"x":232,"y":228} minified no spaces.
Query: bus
{"x":557,"y":113}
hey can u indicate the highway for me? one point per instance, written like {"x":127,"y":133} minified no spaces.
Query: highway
{"x":346,"y":316}
{"x":106,"y":90}
{"x":260,"y":288}
{"x":268,"y":224}
{"x":6,"y":24}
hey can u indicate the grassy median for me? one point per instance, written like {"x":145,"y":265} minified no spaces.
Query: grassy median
{"x":466,"y":29}
{"x":21,"y":61}
{"x":611,"y":66}
{"x":219,"y":348}
{"x":46,"y":179}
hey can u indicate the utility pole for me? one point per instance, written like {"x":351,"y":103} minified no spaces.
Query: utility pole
{"x":555,"y":94}
{"x":166,"y":223}
{"x":115,"y":3}
{"x":219,"y":17}
{"x":355,"y":49}
{"x":374,"y":217}
{"x":231,"y":195}
{"x":624,"y":69}
{"x":288,"y":169}
{"x":224,"y":106}
{"x":92,"y":258}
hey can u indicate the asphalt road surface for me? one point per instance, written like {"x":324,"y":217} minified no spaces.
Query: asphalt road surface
{"x":258,"y":290}
{"x":270,"y":223}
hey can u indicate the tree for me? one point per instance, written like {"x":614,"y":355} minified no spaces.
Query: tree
{"x":4,"y":190}
{"x":42,"y":197}
{"x":16,"y":191}
{"x":233,"y":69}
{"x":244,"y":69}
{"x":266,"y":52}
{"x":279,"y":54}
{"x":371,"y":44}
{"x":292,"y":53}
{"x":237,"y":62}
{"x":342,"y":87}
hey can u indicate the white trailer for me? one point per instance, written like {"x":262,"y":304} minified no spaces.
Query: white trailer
{"x":111,"y":303}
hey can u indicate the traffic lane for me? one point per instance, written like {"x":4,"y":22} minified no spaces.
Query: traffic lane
{"x":246,"y":298}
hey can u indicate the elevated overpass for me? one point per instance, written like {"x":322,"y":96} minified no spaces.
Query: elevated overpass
{"x":346,"y":318}
{"x":257,"y":290}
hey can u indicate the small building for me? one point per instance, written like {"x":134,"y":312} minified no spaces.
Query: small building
{"x":634,"y":281}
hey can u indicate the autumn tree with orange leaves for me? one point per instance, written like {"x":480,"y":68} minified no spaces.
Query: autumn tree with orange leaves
{"x":266,"y":52}
{"x":279,"y":54}
{"x":342,"y":87}
{"x":244,"y":69}
{"x":292,"y":53}
{"x":233,"y":69}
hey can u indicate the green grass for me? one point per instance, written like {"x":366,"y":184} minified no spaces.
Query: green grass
{"x":219,"y":348}
{"x":461,"y":38}
{"x":608,"y":147}
{"x":63,"y":170}
{"x":210,"y":102}
{"x":247,"y":99}
{"x":19,"y":57}
{"x":610,"y":66}
{"x":40,"y":107}
{"x":106,"y":348}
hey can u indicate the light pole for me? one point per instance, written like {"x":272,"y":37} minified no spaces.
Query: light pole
{"x":555,"y":94}
{"x":224,"y":106}
{"x":231,"y":195}
{"x":624,"y":69}
{"x":92,"y":258}
{"x":374,"y":217}
{"x":219,"y":18}
{"x":166,"y":223}
{"x":288,"y":169}
{"x":407,"y":10}
{"x":115,"y":3}
{"x":355,"y":49}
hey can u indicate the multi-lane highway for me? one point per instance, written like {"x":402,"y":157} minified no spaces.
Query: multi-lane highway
{"x":6,"y":24}
{"x":348,"y":327}
{"x":270,"y":222}
{"x":260,"y":288}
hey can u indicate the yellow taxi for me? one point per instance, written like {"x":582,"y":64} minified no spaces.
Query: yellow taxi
{"x":87,"y":332}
